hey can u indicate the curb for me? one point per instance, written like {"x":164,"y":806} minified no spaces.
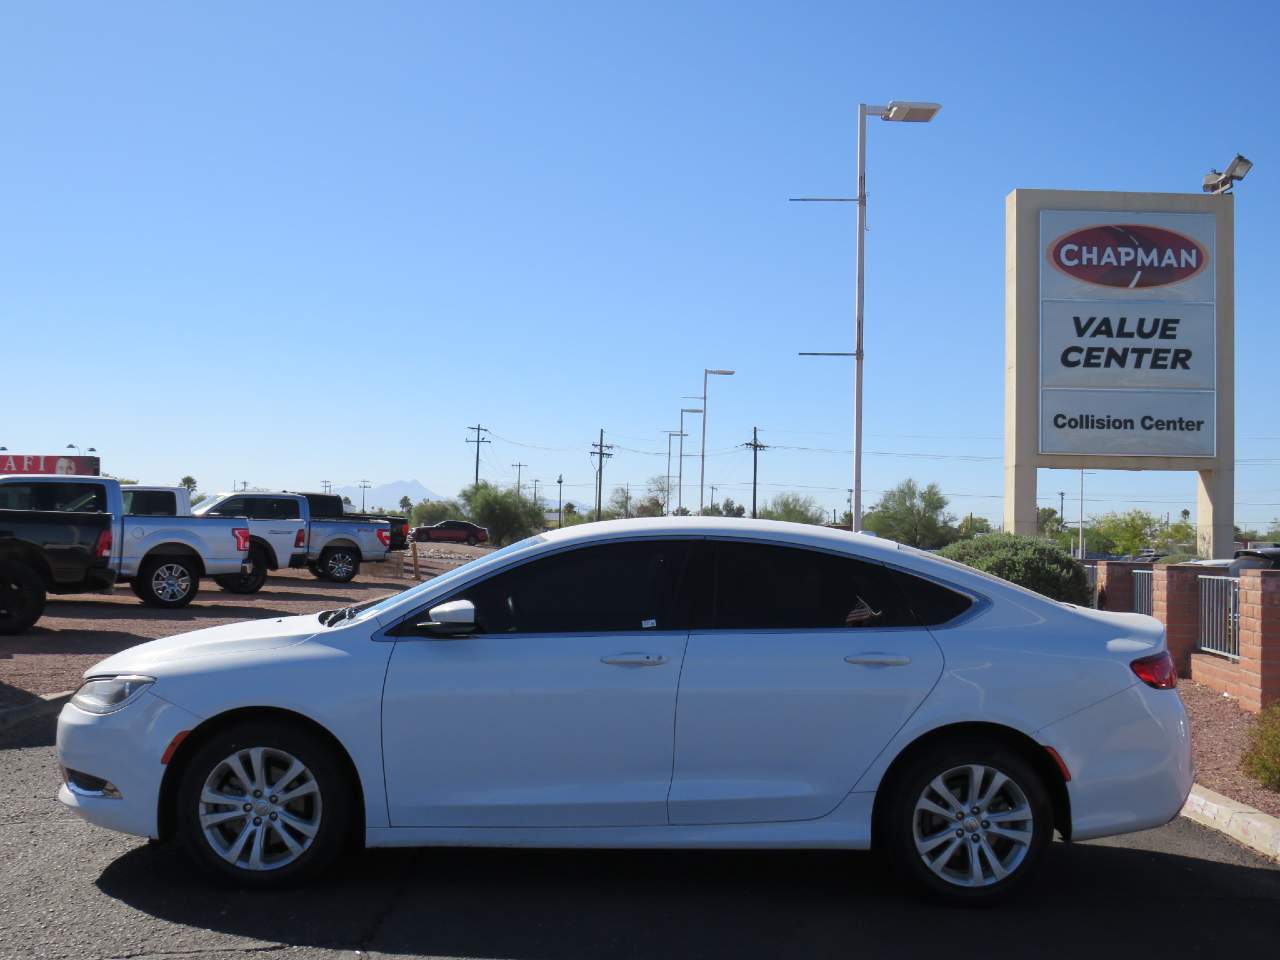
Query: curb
{"x":1242,"y":823}
{"x":47,"y":705}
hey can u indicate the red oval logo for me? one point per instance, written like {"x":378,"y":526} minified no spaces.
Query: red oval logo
{"x":1127,"y":255}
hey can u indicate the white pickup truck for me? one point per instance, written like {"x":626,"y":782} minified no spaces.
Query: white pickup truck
{"x":162,"y":557}
{"x":277,"y":534}
{"x":333,"y":548}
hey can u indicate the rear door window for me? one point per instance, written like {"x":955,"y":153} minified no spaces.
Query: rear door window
{"x":760,"y":586}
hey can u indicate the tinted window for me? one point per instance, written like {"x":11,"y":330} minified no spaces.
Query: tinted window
{"x":932,"y":603}
{"x":286,"y":508}
{"x":62,"y":497}
{"x":611,"y":587}
{"x":234,"y":507}
{"x":150,"y":503}
{"x":756,"y":586}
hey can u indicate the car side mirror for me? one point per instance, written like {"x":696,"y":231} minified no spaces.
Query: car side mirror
{"x":452,"y":619}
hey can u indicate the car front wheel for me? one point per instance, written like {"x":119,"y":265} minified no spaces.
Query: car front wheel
{"x":167,"y":582}
{"x":968,"y":820}
{"x":263,"y":803}
{"x":340,"y":565}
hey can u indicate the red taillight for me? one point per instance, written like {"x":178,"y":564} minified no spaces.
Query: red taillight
{"x":384,"y":536}
{"x":242,"y":538}
{"x":1156,"y":671}
{"x":300,"y":540}
{"x":102,"y":549}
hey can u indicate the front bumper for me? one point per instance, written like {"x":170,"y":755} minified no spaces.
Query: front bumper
{"x":1130,"y":761}
{"x":123,"y":749}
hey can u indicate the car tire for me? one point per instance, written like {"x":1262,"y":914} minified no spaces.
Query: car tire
{"x":167,"y":582}
{"x":316,"y":571}
{"x":22,"y":598}
{"x":966,"y":857}
{"x":340,"y":564}
{"x":471,"y":540}
{"x":250,"y":582}
{"x":275,"y":841}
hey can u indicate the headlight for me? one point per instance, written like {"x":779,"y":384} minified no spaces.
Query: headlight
{"x":109,"y":694}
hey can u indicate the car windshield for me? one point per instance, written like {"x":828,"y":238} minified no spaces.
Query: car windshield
{"x":448,"y":576}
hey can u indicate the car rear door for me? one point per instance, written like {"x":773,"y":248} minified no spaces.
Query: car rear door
{"x":558,"y":711}
{"x":801,"y":667}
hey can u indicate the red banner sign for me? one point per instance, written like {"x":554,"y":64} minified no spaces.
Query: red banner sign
{"x":49,"y":463}
{"x":1128,"y":255}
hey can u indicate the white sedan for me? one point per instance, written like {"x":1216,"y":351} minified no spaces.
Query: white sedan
{"x":680,"y":682}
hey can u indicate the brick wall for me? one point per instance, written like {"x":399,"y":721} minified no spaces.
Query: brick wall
{"x":1175,"y":602}
{"x":1259,"y":666}
{"x":1115,"y":584}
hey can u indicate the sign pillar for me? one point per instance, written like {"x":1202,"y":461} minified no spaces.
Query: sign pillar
{"x":1119,"y":344}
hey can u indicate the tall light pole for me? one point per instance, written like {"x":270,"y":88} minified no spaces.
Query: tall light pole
{"x":702,"y":469}
{"x":680,"y":466}
{"x":901,"y":111}
{"x":560,"y":509}
{"x":72,"y":446}
{"x":666,"y":504}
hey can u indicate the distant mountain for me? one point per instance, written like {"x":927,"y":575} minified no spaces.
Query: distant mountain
{"x":388,"y":495}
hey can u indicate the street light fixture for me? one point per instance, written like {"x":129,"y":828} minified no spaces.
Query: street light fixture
{"x":680,"y":468}
{"x":72,"y":446}
{"x":1219,"y":181}
{"x":901,"y":111}
{"x":702,"y":469}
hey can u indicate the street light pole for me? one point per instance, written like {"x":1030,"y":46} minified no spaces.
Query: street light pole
{"x":560,"y":509}
{"x":680,"y":466}
{"x":666,"y":499}
{"x":702,"y":469}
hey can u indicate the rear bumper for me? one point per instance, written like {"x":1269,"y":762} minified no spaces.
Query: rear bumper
{"x":1130,"y":761}
{"x":297,"y":561}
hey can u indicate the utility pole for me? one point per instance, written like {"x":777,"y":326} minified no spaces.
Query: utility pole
{"x":364,"y":485}
{"x":1062,"y":505}
{"x":600,"y":451}
{"x":756,"y":446}
{"x":626,"y":503}
{"x":713,"y":495}
{"x":477,"y":441}
{"x":535,"y":491}
{"x":325,"y":486}
{"x":560,"y":509}
{"x":519,"y":467}
{"x":1082,"y":516}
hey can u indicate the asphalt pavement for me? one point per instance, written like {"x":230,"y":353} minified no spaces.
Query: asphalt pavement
{"x":68,"y":890}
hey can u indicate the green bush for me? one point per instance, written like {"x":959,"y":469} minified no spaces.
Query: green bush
{"x":1262,"y":756}
{"x":1035,"y":564}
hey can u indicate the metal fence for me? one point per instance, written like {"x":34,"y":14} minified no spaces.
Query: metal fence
{"x":1142,"y":581}
{"x":1220,"y":615}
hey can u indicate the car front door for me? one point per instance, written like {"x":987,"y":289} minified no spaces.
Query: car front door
{"x":801,"y":667}
{"x":558,"y":710}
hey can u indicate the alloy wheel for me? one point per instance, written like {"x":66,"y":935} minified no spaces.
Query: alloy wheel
{"x":973,"y":825}
{"x":340,"y":565}
{"x":260,"y":808}
{"x":171,"y":582}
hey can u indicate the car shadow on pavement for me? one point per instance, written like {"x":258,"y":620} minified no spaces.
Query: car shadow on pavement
{"x":539,"y":905}
{"x":40,"y":641}
{"x":198,"y":610}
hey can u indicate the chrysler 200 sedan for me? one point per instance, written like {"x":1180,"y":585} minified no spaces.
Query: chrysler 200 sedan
{"x":664,"y":683}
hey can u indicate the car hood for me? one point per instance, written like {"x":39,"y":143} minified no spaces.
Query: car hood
{"x":232,"y":638}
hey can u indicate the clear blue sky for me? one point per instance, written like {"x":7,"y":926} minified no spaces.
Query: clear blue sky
{"x":230,"y":231}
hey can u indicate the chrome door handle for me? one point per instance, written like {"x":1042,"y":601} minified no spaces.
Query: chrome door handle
{"x":635,"y":660}
{"x":877,"y":660}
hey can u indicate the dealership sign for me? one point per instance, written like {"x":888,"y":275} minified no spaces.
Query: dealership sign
{"x":1128,"y":327}
{"x":48,"y":463}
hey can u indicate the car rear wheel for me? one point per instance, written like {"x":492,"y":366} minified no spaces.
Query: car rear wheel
{"x":340,"y":564}
{"x":471,"y":540}
{"x":264,"y":803}
{"x":967,"y":821}
{"x":168,"y":582}
{"x":250,"y":582}
{"x":22,"y":598}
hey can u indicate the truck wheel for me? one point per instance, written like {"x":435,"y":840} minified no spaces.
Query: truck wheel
{"x":340,"y":564}
{"x":21,"y":598}
{"x":316,"y":571}
{"x":250,"y":582}
{"x":168,"y":582}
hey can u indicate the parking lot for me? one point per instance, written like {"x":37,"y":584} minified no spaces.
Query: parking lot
{"x":68,"y":890}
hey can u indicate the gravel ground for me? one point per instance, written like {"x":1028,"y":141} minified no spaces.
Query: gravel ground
{"x":78,"y":631}
{"x":1219,"y":735}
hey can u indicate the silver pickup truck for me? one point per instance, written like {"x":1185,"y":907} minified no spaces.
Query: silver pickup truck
{"x":335,"y":547}
{"x":162,"y":558}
